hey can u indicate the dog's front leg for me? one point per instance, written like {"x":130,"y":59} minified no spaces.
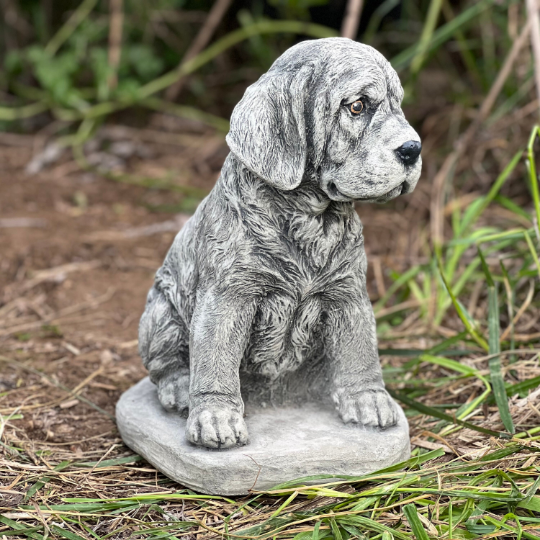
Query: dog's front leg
{"x":220,"y":330}
{"x":359,"y":391}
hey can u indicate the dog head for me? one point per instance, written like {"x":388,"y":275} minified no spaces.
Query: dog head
{"x":328,"y":110}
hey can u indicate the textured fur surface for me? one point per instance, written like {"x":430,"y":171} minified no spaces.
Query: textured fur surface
{"x":263,"y":292}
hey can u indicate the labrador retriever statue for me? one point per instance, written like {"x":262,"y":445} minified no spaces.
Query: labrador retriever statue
{"x":269,"y":276}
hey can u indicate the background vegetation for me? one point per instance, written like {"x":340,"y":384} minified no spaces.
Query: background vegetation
{"x":454,"y":273}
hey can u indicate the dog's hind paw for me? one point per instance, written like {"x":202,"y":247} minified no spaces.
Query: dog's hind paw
{"x":216,"y":427}
{"x":173,"y":392}
{"x":374,"y":408}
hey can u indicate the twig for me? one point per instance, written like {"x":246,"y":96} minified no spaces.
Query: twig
{"x":397,"y":308}
{"x":520,"y":312}
{"x":54,"y":383}
{"x":439,"y":182}
{"x":534,"y":21}
{"x":349,"y":29}
{"x":379,"y":277}
{"x":115,"y":41}
{"x":199,"y":43}
{"x":171,"y":225}
{"x":101,"y":459}
{"x":57,"y":273}
{"x":88,"y":379}
{"x":258,"y":473}
{"x":22,"y":222}
{"x":63,"y":316}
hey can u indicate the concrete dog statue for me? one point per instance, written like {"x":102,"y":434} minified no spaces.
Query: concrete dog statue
{"x":268,"y":277}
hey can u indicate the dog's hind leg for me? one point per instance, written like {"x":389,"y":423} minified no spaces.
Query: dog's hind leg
{"x":164,"y":349}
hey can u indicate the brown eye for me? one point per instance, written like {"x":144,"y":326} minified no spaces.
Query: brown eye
{"x":357,"y":107}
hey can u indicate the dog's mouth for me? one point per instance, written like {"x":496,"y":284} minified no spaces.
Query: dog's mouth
{"x":337,"y":195}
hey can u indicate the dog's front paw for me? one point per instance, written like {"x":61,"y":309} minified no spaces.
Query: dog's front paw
{"x":369,"y":408}
{"x":216,"y":427}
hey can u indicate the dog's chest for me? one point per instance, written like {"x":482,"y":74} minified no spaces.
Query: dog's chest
{"x":283,"y":333}
{"x":314,"y":274}
{"x":308,"y":248}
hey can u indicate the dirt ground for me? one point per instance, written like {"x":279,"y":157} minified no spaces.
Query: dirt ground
{"x":78,"y":255}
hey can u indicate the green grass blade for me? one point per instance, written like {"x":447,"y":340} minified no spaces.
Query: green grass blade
{"x":21,"y":532}
{"x":414,"y":521}
{"x":485,"y":269}
{"x":492,"y":234}
{"x":449,"y":364}
{"x":316,"y":531}
{"x":532,"y":172}
{"x":507,"y":203}
{"x":36,"y":487}
{"x":472,"y":217}
{"x":468,"y":216}
{"x":22,"y":528}
{"x":511,"y":298}
{"x":441,"y":35}
{"x":532,"y":249}
{"x":70,"y":26}
{"x":523,"y":386}
{"x":497,"y":382}
{"x":400,"y":281}
{"x":65,"y":533}
{"x":190,"y":113}
{"x":229,"y":40}
{"x":376,"y":19}
{"x":371,"y":525}
{"x":462,"y":312}
{"x":430,"y":411}
{"x":467,"y":408}
{"x":284,"y":505}
{"x":432,"y":17}
{"x":26,"y":111}
{"x":42,"y":481}
{"x":335,"y":529}
{"x":450,"y":520}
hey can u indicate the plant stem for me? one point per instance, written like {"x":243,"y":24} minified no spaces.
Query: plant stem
{"x":115,"y":41}
{"x":70,"y":26}
{"x":349,"y":29}
{"x":427,"y":34}
{"x":201,"y":41}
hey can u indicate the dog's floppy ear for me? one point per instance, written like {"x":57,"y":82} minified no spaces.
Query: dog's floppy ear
{"x":268,"y":133}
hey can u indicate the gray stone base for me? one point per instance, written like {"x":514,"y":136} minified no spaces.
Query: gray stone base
{"x":284,"y":444}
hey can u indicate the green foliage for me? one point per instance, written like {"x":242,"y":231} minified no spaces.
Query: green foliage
{"x":296,"y":9}
{"x":66,"y":67}
{"x":81,"y":69}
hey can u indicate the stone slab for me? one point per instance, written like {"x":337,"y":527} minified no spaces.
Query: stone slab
{"x":285,"y":444}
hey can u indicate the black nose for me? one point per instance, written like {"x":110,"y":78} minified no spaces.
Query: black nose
{"x":408,"y":153}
